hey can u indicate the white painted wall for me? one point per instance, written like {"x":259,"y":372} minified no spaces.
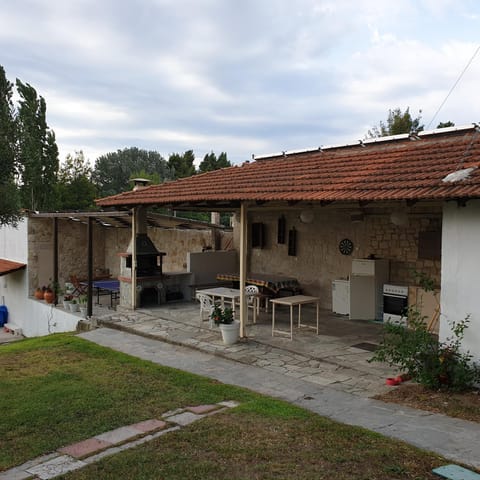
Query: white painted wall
{"x":34,"y":317}
{"x":460,"y":271}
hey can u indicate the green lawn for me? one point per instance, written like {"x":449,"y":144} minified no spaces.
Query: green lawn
{"x":61,"y":389}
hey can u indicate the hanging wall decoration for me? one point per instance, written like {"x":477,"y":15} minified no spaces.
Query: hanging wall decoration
{"x":281,"y":226}
{"x":292,"y":242}
{"x":345,"y":246}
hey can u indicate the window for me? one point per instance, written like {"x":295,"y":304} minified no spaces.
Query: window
{"x":258,"y":235}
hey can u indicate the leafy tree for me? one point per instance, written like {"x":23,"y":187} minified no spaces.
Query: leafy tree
{"x":112,"y":172}
{"x":37,"y":151}
{"x":75,"y":188}
{"x":211,"y":162}
{"x":153,"y":177}
{"x":182,"y":165}
{"x":397,"y":122}
{"x":9,"y":198}
{"x":445,"y":124}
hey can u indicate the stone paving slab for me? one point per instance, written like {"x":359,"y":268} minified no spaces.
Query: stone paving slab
{"x":149,"y":425}
{"x":57,"y":466}
{"x":185,"y":418}
{"x":202,"y":409}
{"x":20,"y":472}
{"x":86,"y":447}
{"x":119,"y":435}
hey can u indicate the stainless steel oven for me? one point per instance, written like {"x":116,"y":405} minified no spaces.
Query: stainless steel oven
{"x":395,"y":304}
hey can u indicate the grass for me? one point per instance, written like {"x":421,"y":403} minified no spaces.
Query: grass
{"x":61,"y":389}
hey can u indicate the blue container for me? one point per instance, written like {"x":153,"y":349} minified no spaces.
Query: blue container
{"x":3,"y":315}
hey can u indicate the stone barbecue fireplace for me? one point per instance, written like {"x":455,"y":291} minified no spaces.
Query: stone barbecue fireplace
{"x":150,"y":289}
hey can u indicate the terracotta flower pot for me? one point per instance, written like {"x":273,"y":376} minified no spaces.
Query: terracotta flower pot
{"x":49,"y":296}
{"x":39,"y":294}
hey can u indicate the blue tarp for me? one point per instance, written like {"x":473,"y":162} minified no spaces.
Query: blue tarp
{"x":3,"y":315}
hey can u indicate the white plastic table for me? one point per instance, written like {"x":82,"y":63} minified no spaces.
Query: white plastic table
{"x":231,"y":294}
{"x":291,"y":302}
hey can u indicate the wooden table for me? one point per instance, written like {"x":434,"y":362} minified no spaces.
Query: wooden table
{"x":291,"y":302}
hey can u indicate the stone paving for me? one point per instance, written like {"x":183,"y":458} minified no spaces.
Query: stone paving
{"x":327,"y":359}
{"x":81,"y":454}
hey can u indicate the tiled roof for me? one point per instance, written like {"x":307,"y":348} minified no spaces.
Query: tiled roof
{"x":396,"y":168}
{"x":7,"y":266}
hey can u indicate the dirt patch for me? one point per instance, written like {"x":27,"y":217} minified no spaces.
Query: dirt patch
{"x":459,"y":405}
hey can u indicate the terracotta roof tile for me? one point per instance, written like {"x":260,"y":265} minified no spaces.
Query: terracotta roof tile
{"x":7,"y":266}
{"x":385,"y":170}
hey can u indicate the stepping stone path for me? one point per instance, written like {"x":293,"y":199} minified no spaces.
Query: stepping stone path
{"x":78,"y":455}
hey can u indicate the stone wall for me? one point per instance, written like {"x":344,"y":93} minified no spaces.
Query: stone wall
{"x":175,"y":243}
{"x":318,"y":260}
{"x":72,"y":246}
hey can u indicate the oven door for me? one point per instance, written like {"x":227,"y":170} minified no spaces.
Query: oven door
{"x":396,"y":305}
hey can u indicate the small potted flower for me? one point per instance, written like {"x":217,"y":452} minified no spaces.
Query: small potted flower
{"x":223,"y":317}
{"x":67,"y":299}
{"x":82,"y":302}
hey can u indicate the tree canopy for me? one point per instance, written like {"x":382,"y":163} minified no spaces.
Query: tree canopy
{"x":113,"y":171}
{"x":182,"y":165}
{"x":75,"y":188}
{"x":397,"y":122}
{"x":9,"y":198}
{"x":28,"y":152}
{"x":211,"y":162}
{"x":37,"y":151}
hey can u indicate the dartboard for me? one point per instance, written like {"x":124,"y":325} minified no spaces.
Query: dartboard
{"x":345,"y":246}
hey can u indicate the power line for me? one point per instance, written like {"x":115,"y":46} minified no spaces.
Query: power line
{"x":454,"y":85}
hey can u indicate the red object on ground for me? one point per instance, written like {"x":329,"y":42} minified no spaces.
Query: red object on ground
{"x":392,"y":381}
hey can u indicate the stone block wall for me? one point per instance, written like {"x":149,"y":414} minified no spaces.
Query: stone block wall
{"x":175,"y":243}
{"x":72,"y":246}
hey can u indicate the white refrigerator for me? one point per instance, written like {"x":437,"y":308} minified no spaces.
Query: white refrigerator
{"x":366,"y":288}
{"x":341,"y":297}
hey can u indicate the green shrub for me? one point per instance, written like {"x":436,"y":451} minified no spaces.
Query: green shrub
{"x":429,"y":362}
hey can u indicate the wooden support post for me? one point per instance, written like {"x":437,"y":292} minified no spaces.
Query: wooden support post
{"x":90,"y":266}
{"x":134,"y":258}
{"x":55,"y":258}
{"x":243,"y":268}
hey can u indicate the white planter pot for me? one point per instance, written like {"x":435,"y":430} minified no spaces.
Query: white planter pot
{"x":74,"y":307}
{"x":66,"y":304}
{"x":230,"y":332}
{"x":83,"y":311}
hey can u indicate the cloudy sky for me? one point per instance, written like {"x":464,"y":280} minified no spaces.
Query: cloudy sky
{"x":241,"y":76}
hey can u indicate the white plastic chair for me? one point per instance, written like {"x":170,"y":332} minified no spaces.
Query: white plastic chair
{"x":206,"y":307}
{"x":253,"y":300}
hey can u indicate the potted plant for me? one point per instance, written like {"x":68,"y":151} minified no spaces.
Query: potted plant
{"x":67,"y":299}
{"x":223,"y":317}
{"x":49,"y":295}
{"x":74,"y":305}
{"x":39,"y":293}
{"x":82,"y":302}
